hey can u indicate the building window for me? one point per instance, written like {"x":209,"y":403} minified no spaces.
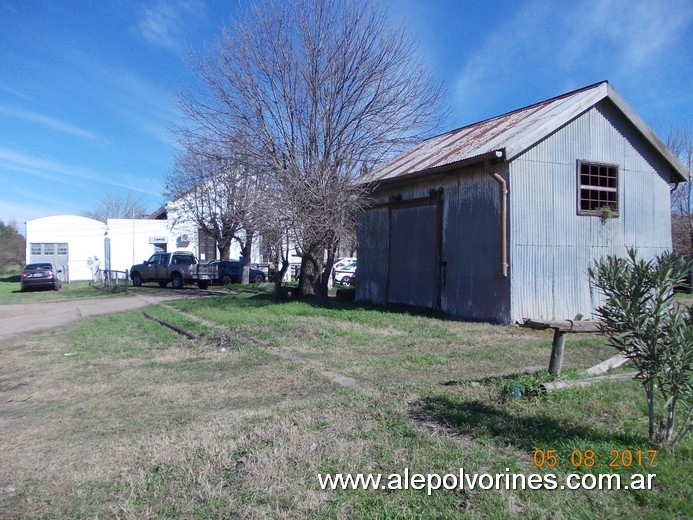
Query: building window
{"x":207,"y":246}
{"x":48,"y":249}
{"x":62,"y":249}
{"x":35,"y":249}
{"x":598,"y":189}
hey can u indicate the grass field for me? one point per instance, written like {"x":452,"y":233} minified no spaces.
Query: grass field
{"x":10,"y":291}
{"x":120,"y":417}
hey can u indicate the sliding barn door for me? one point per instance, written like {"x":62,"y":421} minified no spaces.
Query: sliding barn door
{"x":414,"y":260}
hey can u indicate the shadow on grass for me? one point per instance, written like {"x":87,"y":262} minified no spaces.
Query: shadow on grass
{"x":258,"y":298}
{"x":483,"y":420}
{"x":189,"y":291}
{"x":11,"y":278}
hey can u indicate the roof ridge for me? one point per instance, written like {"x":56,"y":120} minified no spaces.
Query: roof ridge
{"x":538,"y":103}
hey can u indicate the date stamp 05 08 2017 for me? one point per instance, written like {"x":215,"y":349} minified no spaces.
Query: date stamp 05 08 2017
{"x":589,"y":459}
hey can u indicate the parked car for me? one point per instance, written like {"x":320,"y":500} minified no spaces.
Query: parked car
{"x":177,"y":268}
{"x":230,"y":271}
{"x":43,"y":276}
{"x":341,"y":262}
{"x":345,"y":274}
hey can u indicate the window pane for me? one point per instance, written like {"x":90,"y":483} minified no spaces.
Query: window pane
{"x":598,"y":188}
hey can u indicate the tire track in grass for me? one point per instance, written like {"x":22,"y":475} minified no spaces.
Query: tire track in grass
{"x":337,"y":379}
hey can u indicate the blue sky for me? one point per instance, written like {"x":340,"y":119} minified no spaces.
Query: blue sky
{"x":88,"y":89}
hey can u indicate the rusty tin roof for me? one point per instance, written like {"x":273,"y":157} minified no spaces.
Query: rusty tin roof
{"x":510,"y":134}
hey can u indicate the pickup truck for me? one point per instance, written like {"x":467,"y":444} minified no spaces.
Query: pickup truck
{"x":177,"y":268}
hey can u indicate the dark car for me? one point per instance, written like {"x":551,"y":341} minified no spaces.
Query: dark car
{"x":41,"y":276}
{"x":230,"y":271}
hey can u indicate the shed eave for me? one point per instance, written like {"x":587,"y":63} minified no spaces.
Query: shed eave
{"x":493,"y":155}
{"x":603,"y":91}
{"x":679,"y":169}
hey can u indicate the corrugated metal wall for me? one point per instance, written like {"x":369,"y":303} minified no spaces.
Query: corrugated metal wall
{"x":470,"y":286}
{"x":414,"y":255}
{"x":373,"y":253}
{"x":551,"y":246}
{"x":473,"y":288}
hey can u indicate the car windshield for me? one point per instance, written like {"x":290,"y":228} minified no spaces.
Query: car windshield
{"x":33,"y":267}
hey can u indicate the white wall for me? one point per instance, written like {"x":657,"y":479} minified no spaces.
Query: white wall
{"x":184,"y":236}
{"x":182,"y":231}
{"x":84,"y":237}
{"x":133,"y":241}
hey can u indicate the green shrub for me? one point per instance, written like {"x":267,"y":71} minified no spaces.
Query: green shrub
{"x":643,"y":321}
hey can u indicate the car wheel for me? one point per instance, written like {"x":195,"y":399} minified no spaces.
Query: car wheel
{"x":136,"y":280}
{"x":203,"y":285}
{"x":176,"y":281}
{"x":259,"y":278}
{"x":56,"y":287}
{"x":163,"y":284}
{"x":226,"y":280}
{"x":345,"y":280}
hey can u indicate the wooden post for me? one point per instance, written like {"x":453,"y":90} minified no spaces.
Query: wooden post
{"x":557,"y":348}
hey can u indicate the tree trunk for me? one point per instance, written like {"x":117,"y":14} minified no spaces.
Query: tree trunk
{"x":668,"y":434}
{"x":279,"y":276}
{"x":282,"y":255}
{"x":649,"y":391}
{"x":311,"y":270}
{"x":224,"y":247}
{"x":245,"y":273}
{"x":327,"y":273}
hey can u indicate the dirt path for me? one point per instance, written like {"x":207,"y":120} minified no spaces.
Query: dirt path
{"x":27,"y":317}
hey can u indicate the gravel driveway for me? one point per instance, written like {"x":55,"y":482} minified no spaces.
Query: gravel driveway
{"x":27,"y":317}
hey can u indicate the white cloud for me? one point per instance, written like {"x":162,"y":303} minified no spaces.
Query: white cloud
{"x":630,"y":36}
{"x":11,"y":160}
{"x":45,"y":168}
{"x":25,"y":210}
{"x":547,"y":48}
{"x":48,"y":121}
{"x":163,"y":24}
{"x":15,"y":92}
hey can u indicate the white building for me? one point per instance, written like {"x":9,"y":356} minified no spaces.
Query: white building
{"x":130,"y":241}
{"x":68,"y":241}
{"x":76,"y":245}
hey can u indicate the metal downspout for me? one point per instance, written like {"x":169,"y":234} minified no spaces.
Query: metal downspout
{"x":503,"y":219}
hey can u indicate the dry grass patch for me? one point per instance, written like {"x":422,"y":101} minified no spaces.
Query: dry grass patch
{"x":147,"y":425}
{"x":74,"y":425}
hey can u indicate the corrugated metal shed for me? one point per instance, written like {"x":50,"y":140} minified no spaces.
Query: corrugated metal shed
{"x":443,"y":232}
{"x":513,"y":133}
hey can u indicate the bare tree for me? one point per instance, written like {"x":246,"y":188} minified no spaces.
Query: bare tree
{"x":680,"y":141}
{"x":277,"y":238}
{"x":117,"y":206}
{"x":212,"y":187}
{"x":316,"y":92}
